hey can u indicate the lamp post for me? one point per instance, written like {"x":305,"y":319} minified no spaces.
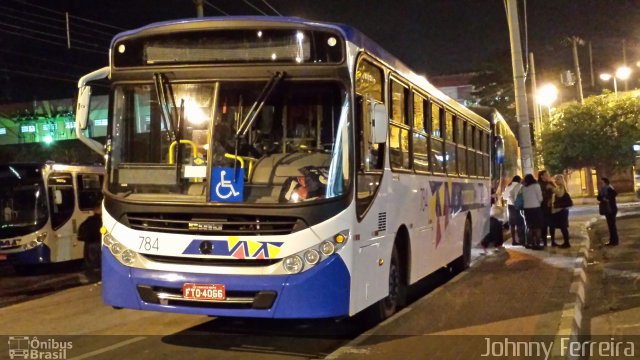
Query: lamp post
{"x":607,"y":77}
{"x":621,"y":73}
{"x":547,"y":95}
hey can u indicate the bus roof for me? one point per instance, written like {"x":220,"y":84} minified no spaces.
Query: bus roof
{"x":350,"y":34}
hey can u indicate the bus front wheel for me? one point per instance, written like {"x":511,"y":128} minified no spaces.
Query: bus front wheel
{"x":386,"y":307}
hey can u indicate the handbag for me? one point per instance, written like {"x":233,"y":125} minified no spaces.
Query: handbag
{"x":518,"y":203}
{"x":563,"y":201}
{"x":604,"y":207}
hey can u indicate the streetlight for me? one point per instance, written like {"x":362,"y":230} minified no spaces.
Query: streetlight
{"x":607,"y":77}
{"x":621,"y":73}
{"x":547,"y":95}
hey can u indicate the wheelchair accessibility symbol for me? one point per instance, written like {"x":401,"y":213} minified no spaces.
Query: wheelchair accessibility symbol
{"x":223,"y":186}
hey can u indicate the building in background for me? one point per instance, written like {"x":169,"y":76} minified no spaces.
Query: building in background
{"x":49,"y":121}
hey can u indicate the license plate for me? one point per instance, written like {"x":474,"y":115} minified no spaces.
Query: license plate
{"x":204,"y":291}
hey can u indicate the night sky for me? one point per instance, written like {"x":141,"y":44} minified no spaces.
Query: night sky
{"x":433,"y":37}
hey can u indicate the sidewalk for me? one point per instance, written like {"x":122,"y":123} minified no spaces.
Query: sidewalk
{"x":613,"y":293}
{"x":514,"y":292}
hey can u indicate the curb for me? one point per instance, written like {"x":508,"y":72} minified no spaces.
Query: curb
{"x":571,"y":319}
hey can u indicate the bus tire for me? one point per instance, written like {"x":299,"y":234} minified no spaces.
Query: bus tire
{"x":388,"y":306}
{"x":24,"y":270}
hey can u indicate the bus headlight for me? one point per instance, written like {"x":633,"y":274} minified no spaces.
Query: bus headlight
{"x":128,"y":257}
{"x":292,"y":264}
{"x":312,"y":256}
{"x":307,"y":258}
{"x":327,"y":248}
{"x":108,"y":240}
{"x":116,"y":248}
{"x":123,"y":254}
{"x":41,"y":237}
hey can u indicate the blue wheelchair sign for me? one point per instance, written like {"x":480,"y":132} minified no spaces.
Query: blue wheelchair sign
{"x":223,"y":186}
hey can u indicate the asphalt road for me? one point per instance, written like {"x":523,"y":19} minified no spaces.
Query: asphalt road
{"x":513,"y":292}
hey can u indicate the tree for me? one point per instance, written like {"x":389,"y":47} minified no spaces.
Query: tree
{"x":493,"y":87}
{"x":600,"y":134}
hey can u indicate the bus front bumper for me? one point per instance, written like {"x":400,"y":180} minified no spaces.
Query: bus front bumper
{"x":40,"y":254}
{"x":320,"y":292}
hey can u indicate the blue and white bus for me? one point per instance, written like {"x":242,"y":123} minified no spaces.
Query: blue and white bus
{"x":43,"y":206}
{"x":279,"y":168}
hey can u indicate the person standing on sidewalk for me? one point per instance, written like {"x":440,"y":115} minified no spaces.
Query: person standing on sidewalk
{"x":609,"y":208}
{"x":516,"y":222}
{"x":546,"y":187}
{"x":560,"y":212}
{"x":532,"y":196}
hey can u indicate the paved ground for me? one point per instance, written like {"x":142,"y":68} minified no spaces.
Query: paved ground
{"x":514,"y":293}
{"x":613,"y":292}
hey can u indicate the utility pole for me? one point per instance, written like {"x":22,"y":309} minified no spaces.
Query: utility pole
{"x":575,"y":41}
{"x":199,"y":7}
{"x":624,"y":61}
{"x":524,"y":133}
{"x":593,"y":82}
{"x":534,"y":91}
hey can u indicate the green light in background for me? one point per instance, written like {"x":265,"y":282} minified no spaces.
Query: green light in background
{"x":48,"y":139}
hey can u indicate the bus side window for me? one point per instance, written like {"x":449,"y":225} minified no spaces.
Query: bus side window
{"x":89,"y":191}
{"x":61,"y":198}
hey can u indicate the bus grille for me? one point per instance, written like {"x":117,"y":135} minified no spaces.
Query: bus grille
{"x":183,"y":260}
{"x":206,"y":224}
{"x":235,"y":299}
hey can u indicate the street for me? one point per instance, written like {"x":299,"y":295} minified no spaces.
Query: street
{"x":513,"y":292}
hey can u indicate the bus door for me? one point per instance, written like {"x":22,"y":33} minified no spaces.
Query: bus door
{"x":61,"y":208}
{"x":89,"y":195}
{"x":371,"y":265}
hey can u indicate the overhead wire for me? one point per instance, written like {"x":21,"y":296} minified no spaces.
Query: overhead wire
{"x":104,"y":36}
{"x":38,"y":58}
{"x":216,"y":8}
{"x":47,"y":34}
{"x":271,"y":7}
{"x":255,"y":7}
{"x":70,"y":15}
{"x":53,"y":42}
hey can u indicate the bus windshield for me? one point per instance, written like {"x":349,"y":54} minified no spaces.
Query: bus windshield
{"x":295,"y":150}
{"x":22,"y":201}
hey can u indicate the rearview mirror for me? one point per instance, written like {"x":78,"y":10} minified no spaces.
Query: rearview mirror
{"x":379,"y":122}
{"x":82,"y":109}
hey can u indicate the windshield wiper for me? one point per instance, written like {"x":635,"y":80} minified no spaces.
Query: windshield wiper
{"x":160,"y":82}
{"x":258,"y":104}
{"x":253,"y":112}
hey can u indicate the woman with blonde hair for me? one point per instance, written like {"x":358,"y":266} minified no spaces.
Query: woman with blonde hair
{"x":560,"y":211}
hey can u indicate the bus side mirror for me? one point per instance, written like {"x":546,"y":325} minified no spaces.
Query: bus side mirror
{"x":57,"y":197}
{"x":82,"y":109}
{"x":379,"y":123}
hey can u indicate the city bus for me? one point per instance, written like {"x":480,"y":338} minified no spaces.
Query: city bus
{"x":505,"y":163}
{"x":43,"y":206}
{"x":276,"y":167}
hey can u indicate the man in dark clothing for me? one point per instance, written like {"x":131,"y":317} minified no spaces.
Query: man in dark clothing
{"x":546,"y":186}
{"x":607,"y":197}
{"x":89,"y":233}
